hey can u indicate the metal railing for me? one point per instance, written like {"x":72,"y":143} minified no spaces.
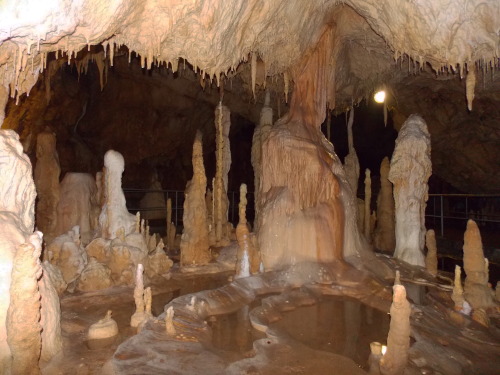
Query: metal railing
{"x":450,"y":209}
{"x":133,"y":197}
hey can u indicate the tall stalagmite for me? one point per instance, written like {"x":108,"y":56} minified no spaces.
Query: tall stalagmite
{"x":398,"y":340}
{"x":431,"y":261}
{"x":114,"y":214}
{"x":17,"y":212}
{"x":23,"y":316}
{"x":46,"y":176}
{"x":476,"y":289}
{"x":246,"y":252}
{"x":259,"y":136}
{"x":384,"y":237}
{"x":195,"y":248}
{"x":410,"y":170}
{"x":223,"y":160}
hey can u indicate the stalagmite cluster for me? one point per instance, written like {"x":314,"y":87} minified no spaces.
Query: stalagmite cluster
{"x":384,"y":235}
{"x":476,"y":289}
{"x":46,"y":176}
{"x":142,"y":298}
{"x":409,"y":173}
{"x":195,"y":247}
{"x":395,"y":359}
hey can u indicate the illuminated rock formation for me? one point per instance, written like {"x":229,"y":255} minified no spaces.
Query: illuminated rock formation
{"x":103,"y":329}
{"x":194,"y":241}
{"x":142,"y":298}
{"x":458,"y":292}
{"x":46,"y":176}
{"x":351,"y":162}
{"x":395,"y":359}
{"x":246,"y":261}
{"x":114,"y":215}
{"x":431,"y":260}
{"x":95,"y":276}
{"x":78,"y":205}
{"x":222,"y":227}
{"x":259,"y":136}
{"x":476,"y":289}
{"x":384,"y":236}
{"x":410,"y":170}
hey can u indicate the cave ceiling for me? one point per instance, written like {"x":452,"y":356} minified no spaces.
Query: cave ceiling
{"x":420,"y":51}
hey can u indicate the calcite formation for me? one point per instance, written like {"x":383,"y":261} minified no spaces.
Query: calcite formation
{"x":458,"y":292}
{"x":46,"y":176}
{"x":247,"y":260}
{"x":194,"y":241}
{"x":395,"y":359}
{"x":79,"y":205}
{"x":114,"y":215}
{"x":409,"y":173}
{"x":431,"y":260}
{"x":384,"y":235}
{"x":95,"y":276}
{"x":351,"y":162}
{"x":476,"y":289}
{"x":103,"y":329}
{"x":142,"y":298}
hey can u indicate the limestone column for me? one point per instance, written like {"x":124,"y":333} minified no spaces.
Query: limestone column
{"x":46,"y":175}
{"x":246,"y":250}
{"x":431,"y":261}
{"x":410,"y":170}
{"x":195,"y":248}
{"x":384,"y":236}
{"x":351,"y":162}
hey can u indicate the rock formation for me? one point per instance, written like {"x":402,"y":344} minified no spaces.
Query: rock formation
{"x":78,"y":205}
{"x":223,"y":159}
{"x":368,"y":201}
{"x":259,"y":136}
{"x":458,"y":292}
{"x":46,"y":176}
{"x":384,"y":236}
{"x":169,"y":321}
{"x":431,"y":260}
{"x":103,"y":329}
{"x":351,"y":162}
{"x":95,"y":276}
{"x":142,"y":299}
{"x":246,"y":262}
{"x":398,"y":340}
{"x":170,"y":229}
{"x":476,"y":289}
{"x":410,"y":170}
{"x":194,"y":241}
{"x":17,"y":203}
{"x":153,"y":202}
{"x":114,"y":214}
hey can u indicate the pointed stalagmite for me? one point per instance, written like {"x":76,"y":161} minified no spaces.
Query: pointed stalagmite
{"x":140,"y":307}
{"x":368,"y":200}
{"x":476,"y":289}
{"x":169,"y":321}
{"x":46,"y":176}
{"x":384,"y":236}
{"x":458,"y":292}
{"x":246,"y":251}
{"x":431,"y":261}
{"x":409,"y":173}
{"x":398,"y":340}
{"x":195,"y":247}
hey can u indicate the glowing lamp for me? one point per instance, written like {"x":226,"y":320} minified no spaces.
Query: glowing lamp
{"x":384,"y":348}
{"x":379,"y":97}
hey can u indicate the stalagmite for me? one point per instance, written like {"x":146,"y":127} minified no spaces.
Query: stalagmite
{"x":368,"y":200}
{"x":470,"y":85}
{"x":246,"y":251}
{"x":169,"y":321}
{"x":431,"y":260}
{"x":398,"y":340}
{"x":46,"y":176}
{"x":409,"y":173}
{"x":476,"y":289}
{"x":170,"y":226}
{"x":223,"y":160}
{"x":50,"y":319}
{"x":351,"y":162}
{"x":458,"y":292}
{"x":260,"y":135}
{"x":103,"y":329}
{"x":195,"y":247}
{"x":4,"y":96}
{"x":142,"y":300}
{"x":384,"y":236}
{"x":114,"y":214}
{"x":23,"y":315}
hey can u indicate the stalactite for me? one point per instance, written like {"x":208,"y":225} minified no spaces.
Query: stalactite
{"x":351,"y":162}
{"x":254,"y":72}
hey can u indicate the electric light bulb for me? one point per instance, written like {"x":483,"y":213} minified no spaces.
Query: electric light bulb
{"x":379,"y":97}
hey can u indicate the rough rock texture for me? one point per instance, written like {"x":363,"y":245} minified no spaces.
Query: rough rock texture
{"x":431,"y":260}
{"x":384,"y":236}
{"x":114,"y":215}
{"x":46,"y":176}
{"x":23,"y":315}
{"x":409,"y":173}
{"x":78,"y":205}
{"x":56,"y":277}
{"x":351,"y":162}
{"x":398,"y":340}
{"x":458,"y":292}
{"x":17,"y":204}
{"x":247,"y":259}
{"x":476,"y":289}
{"x":50,"y":319}
{"x":194,"y":241}
{"x":95,"y":276}
{"x":103,"y":329}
